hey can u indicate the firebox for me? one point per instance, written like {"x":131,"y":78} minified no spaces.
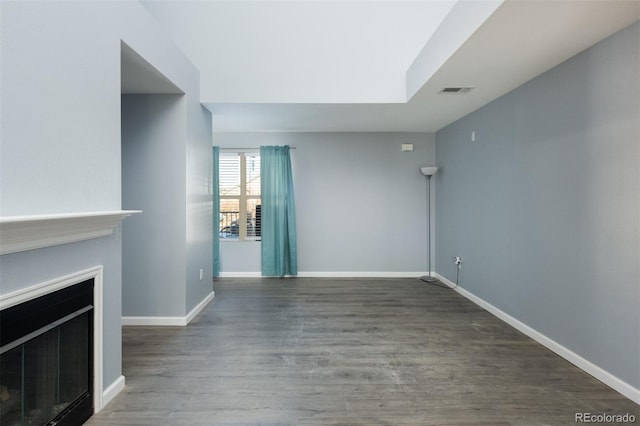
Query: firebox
{"x":46,"y":359}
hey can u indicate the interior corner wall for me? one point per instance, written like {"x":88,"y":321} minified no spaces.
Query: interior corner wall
{"x":360,"y":202}
{"x":154,"y":181}
{"x":199,"y":204}
{"x":544,"y":206}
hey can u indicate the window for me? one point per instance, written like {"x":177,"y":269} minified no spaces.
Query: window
{"x":240,"y":196}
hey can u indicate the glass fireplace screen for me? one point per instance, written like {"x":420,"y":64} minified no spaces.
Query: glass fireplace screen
{"x":46,"y":373}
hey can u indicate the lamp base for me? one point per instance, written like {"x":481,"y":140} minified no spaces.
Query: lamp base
{"x":429,"y":279}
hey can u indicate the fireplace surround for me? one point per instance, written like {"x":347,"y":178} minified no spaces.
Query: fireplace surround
{"x":31,"y":232}
{"x":51,"y":351}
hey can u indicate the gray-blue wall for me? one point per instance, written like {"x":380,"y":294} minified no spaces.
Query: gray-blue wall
{"x":154,"y":181}
{"x":360,"y":201}
{"x":199,"y":204}
{"x":544,"y":206}
{"x":168,"y":176}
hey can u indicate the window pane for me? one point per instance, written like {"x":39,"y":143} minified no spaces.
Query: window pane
{"x":229,"y":218}
{"x":229,"y":174}
{"x":239,"y":195}
{"x":253,"y":174}
{"x":253,"y":221}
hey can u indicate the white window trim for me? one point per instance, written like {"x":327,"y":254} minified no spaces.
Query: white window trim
{"x":242,"y":207}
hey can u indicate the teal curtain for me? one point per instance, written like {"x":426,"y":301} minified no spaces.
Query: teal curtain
{"x":279,"y":250}
{"x":216,"y":210}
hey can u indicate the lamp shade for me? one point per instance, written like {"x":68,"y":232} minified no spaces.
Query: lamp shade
{"x":428,"y":171}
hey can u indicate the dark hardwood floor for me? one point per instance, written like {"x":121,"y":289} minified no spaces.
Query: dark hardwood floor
{"x":347,"y":352}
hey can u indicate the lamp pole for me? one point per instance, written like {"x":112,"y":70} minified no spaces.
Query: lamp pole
{"x":428,"y":278}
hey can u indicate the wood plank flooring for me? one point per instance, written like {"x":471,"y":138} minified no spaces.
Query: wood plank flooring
{"x":317,"y":352}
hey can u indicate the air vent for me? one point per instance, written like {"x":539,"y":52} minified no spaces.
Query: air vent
{"x":456,"y":90}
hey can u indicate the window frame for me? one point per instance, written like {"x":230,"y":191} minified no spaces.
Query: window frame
{"x":242,"y":198}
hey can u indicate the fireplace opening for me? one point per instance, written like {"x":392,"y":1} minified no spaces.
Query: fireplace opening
{"x":46,"y":359}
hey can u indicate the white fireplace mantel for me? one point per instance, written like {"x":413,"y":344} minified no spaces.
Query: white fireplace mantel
{"x":21,"y":233}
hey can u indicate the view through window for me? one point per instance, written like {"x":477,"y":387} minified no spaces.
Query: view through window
{"x":239,"y":196}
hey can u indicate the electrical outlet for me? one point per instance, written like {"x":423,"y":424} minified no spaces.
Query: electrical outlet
{"x":458,"y":261}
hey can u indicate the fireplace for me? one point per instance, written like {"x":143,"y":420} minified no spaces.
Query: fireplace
{"x":47,"y":357}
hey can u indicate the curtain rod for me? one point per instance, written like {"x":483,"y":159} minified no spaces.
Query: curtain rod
{"x":249,"y":149}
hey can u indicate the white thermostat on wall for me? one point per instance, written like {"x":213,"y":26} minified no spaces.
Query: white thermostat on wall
{"x":407,"y":147}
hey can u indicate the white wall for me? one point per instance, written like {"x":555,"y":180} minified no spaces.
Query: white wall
{"x":60,"y":150}
{"x":360,"y":202}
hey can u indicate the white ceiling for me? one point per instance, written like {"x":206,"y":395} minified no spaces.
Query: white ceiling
{"x":343,"y":65}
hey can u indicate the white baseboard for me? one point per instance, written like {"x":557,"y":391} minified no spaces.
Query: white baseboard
{"x":111,"y":391}
{"x":199,"y":307}
{"x":361,"y":274}
{"x":155,"y":321}
{"x":338,"y":274}
{"x":169,"y":321}
{"x":240,"y":274}
{"x":587,"y":366}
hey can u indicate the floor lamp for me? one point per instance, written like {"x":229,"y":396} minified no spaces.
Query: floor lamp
{"x":428,"y":172}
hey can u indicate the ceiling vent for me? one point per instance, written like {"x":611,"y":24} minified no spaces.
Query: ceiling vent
{"x":456,"y":90}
